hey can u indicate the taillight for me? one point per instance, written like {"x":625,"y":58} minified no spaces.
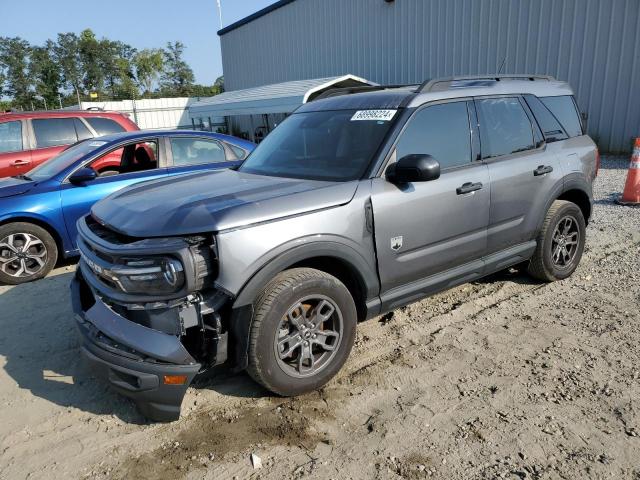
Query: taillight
{"x":597,"y":162}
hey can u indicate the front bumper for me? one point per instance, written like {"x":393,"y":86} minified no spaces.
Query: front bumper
{"x":132,"y":358}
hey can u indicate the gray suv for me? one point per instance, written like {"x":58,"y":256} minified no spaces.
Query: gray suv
{"x":357,"y":204}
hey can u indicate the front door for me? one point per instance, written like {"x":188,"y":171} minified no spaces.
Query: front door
{"x":139,"y":162}
{"x":424,"y":229}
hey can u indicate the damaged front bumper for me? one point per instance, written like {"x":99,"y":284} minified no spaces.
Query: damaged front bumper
{"x":149,"y":366}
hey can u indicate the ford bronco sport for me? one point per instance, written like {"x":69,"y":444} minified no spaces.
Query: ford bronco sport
{"x":357,"y":204}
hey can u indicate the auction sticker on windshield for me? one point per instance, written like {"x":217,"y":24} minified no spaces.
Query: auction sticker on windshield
{"x":379,"y":115}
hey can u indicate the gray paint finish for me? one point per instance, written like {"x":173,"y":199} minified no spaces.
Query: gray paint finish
{"x":592,"y":44}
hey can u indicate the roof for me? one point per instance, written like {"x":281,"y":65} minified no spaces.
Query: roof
{"x":116,"y":137}
{"x":58,"y":113}
{"x":276,"y":98}
{"x":251,"y":18}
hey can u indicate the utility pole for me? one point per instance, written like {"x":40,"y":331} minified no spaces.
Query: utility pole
{"x":78,"y":95}
{"x":60,"y":100}
{"x":220,"y":12}
{"x":45,"y":102}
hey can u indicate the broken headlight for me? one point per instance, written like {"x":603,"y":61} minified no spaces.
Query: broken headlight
{"x":153,"y":275}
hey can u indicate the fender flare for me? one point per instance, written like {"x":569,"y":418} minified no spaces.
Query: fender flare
{"x":573,"y":181}
{"x":242,"y":308}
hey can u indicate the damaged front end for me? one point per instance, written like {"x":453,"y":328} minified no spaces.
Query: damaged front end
{"x":148,"y":315}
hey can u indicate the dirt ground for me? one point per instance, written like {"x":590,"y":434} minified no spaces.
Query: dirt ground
{"x":501,"y":378}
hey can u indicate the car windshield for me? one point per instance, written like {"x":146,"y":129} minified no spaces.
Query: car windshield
{"x":64,"y":159}
{"x":335,"y":145}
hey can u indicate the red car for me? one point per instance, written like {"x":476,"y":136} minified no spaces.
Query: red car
{"x":29,"y":138}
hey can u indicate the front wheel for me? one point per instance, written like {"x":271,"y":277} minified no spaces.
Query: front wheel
{"x":27,"y":252}
{"x":560,"y":243}
{"x":302,"y":331}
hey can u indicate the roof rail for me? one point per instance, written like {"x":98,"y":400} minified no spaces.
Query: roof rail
{"x":336,"y":92}
{"x":430,"y":85}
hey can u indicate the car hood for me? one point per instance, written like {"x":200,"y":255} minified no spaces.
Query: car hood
{"x":10,"y":187}
{"x":214,"y":201}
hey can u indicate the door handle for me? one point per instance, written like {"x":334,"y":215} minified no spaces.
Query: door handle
{"x":20,"y":163}
{"x":542,"y":170}
{"x":468,"y":188}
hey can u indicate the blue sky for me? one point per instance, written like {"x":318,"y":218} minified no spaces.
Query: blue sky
{"x":140,"y":23}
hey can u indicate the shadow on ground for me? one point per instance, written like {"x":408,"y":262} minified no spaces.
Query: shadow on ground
{"x":38,"y":341}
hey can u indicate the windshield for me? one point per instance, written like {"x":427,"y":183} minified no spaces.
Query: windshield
{"x":64,"y":159}
{"x":332,"y":145}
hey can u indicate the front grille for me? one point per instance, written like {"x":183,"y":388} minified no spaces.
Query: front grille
{"x":109,"y":235}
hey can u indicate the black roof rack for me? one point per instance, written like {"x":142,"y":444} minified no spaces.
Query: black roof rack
{"x":430,"y":85}
{"x":336,"y":92}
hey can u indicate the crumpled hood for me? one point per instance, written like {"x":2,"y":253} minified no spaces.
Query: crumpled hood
{"x":214,"y":201}
{"x":14,"y":186}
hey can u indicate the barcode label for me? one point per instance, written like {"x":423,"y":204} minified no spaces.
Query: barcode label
{"x":376,"y":115}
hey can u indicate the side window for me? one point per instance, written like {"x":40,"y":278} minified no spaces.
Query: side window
{"x":104,"y":126}
{"x":51,"y":132}
{"x":505,"y":127}
{"x":551,"y":128}
{"x":441,"y":131}
{"x":10,"y":137}
{"x":195,"y":151}
{"x":82,"y":130}
{"x":132,"y":158}
{"x":238,"y":152}
{"x":564,"y":109}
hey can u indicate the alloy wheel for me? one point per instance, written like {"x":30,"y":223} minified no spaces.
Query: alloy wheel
{"x":22,"y":255}
{"x":308,"y":336}
{"x":565,"y":241}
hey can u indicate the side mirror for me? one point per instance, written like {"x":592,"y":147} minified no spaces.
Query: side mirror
{"x":414,"y":168}
{"x":83,"y":175}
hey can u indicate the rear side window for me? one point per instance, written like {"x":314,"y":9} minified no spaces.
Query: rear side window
{"x":564,"y":109}
{"x":441,"y":131}
{"x":551,"y":128}
{"x":10,"y":137}
{"x":51,"y":132}
{"x":82,"y":130}
{"x":505,"y":127}
{"x":195,"y":151}
{"x":239,"y":152}
{"x":104,"y":126}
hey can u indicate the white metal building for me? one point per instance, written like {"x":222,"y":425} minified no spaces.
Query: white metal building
{"x":592,"y":44}
{"x":251,"y":113}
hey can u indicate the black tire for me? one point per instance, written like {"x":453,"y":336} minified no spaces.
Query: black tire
{"x":40,"y":258}
{"x":280,"y":295}
{"x":543,"y":265}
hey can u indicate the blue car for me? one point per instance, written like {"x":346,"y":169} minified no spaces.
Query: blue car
{"x":39,"y":210}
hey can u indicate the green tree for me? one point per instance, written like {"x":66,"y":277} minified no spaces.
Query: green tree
{"x":92,"y":61}
{"x":116,"y":60}
{"x":44,"y":73}
{"x":67,"y":56}
{"x":177,"y":77}
{"x":219,"y":83}
{"x":14,"y":57}
{"x":148,"y":66}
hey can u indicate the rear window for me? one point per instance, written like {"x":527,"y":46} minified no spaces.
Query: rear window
{"x":565,"y":111}
{"x":10,"y":137}
{"x":51,"y":132}
{"x":104,"y":126}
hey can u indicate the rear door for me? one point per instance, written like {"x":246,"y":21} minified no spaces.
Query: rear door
{"x":140,"y":161}
{"x":52,"y":135}
{"x":523,"y":171}
{"x":426,"y":228}
{"x":192,"y":154}
{"x":15,"y":157}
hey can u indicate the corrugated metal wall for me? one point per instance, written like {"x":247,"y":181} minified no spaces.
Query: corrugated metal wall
{"x":154,"y":113}
{"x":592,"y":44}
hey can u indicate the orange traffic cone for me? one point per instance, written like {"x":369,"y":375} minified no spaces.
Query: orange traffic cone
{"x":631,"y":194}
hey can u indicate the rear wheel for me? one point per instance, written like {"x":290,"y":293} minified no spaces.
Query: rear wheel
{"x":560,"y":243}
{"x":27,"y":252}
{"x":302,"y":332}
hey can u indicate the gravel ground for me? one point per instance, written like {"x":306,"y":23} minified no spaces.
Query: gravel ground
{"x":501,"y":378}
